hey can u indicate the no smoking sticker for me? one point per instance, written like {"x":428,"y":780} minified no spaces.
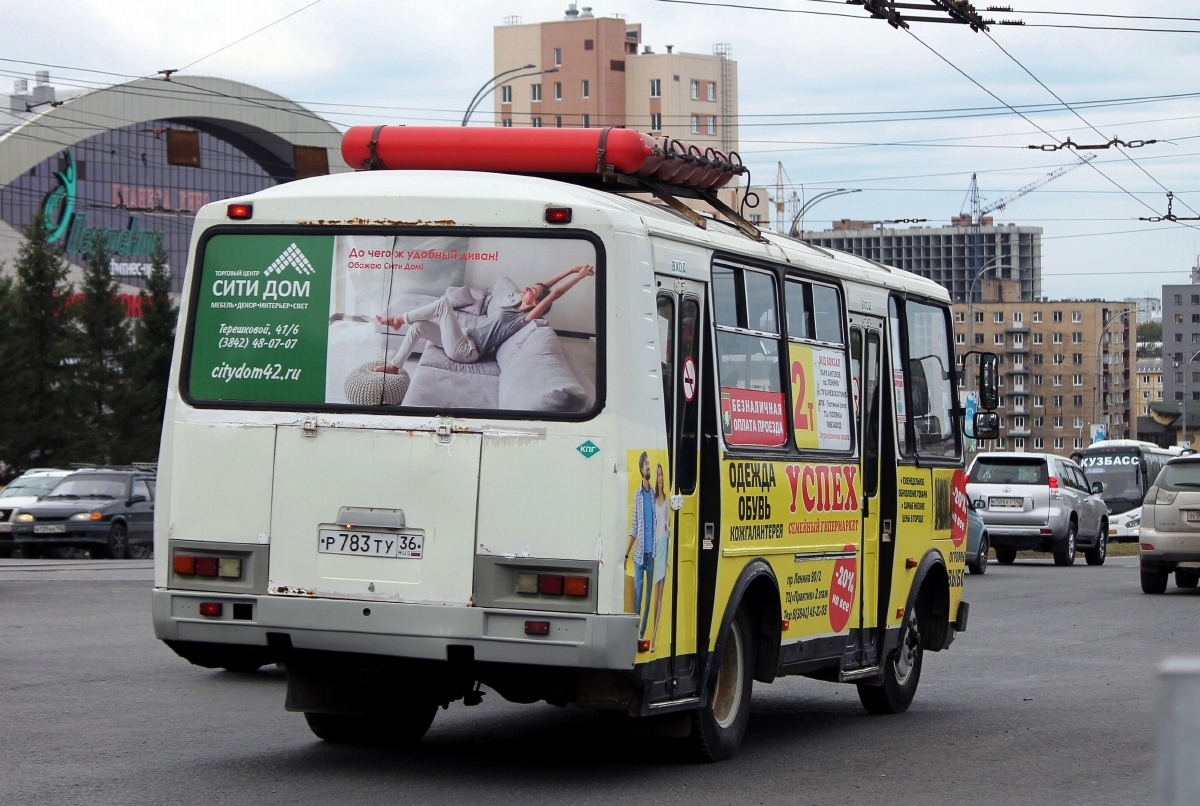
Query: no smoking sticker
{"x":689,"y":379}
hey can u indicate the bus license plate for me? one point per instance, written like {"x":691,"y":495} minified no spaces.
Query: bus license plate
{"x":371,"y":544}
{"x":1006,"y":502}
{"x":50,"y":529}
{"x":1193,"y":515}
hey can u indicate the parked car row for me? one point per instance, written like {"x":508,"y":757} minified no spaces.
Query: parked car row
{"x":107,"y":511}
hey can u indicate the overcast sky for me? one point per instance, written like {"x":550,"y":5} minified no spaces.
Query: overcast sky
{"x":819,"y":92}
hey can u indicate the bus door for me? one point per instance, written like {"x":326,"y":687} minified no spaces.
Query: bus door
{"x":671,"y":627}
{"x":866,"y":361}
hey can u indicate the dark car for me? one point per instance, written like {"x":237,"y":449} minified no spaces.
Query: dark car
{"x":108,"y":511}
{"x":977,"y":543}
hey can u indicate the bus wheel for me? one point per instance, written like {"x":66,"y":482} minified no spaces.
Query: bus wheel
{"x":718,"y":727}
{"x":901,"y":673}
{"x":392,"y":728}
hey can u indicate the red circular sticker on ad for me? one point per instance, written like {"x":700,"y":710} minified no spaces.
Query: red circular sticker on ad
{"x":841,"y":591}
{"x":689,"y":379}
{"x":958,"y":508}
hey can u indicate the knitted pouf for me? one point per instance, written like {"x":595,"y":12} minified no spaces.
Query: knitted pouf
{"x":365,"y":387}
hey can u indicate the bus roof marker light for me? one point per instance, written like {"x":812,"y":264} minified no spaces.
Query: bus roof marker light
{"x":558,"y":215}
{"x":240,"y":212}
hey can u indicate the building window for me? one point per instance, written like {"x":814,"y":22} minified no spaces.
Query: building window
{"x":695,"y":90}
{"x":1037,"y":338}
{"x":959,"y":317}
{"x":1037,"y":316}
{"x":1179,"y":319}
{"x":1018,"y":317}
{"x":535,"y":92}
{"x":1000,"y":444}
{"x":1077,"y":400}
{"x":979,"y":317}
{"x":1058,"y":403}
{"x":960,"y":338}
{"x":998,"y":317}
{"x":979,"y":338}
{"x":695,"y":124}
{"x":617,"y":65}
{"x":589,"y":44}
{"x":1196,"y":299}
{"x":1076,"y":338}
{"x":1077,"y":422}
{"x":1057,"y":358}
{"x":584,"y":89}
{"x":712,"y":91}
{"x":1058,"y":421}
{"x":587,"y":121}
{"x":1178,"y":377}
{"x":536,"y":122}
{"x":656,"y":121}
{"x":656,"y":88}
{"x":1078,"y":442}
{"x":712,"y":124}
{"x":1178,"y":337}
{"x":1057,"y":316}
{"x":1018,"y":340}
{"x":1057,"y":380}
{"x":1076,"y":316}
{"x":1077,"y":380}
{"x":1018,"y":443}
{"x":1178,"y":299}
{"x":1057,"y":338}
{"x":558,"y":90}
{"x":1179,"y":395}
{"x":1038,"y":443}
{"x":1039,"y":422}
{"x":1037,"y":380}
{"x":506,"y":123}
{"x":506,"y":94}
{"x":558,"y":57}
{"x":998,"y":338}
{"x":1058,"y":443}
{"x":1039,"y":402}
{"x":1077,"y":358}
{"x":558,"y":121}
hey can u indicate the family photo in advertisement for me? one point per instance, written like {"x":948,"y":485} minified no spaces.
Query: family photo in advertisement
{"x":464,"y":323}
{"x":648,"y":548}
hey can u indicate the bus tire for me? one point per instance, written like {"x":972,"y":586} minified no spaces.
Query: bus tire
{"x":400,"y":727}
{"x":1006,"y":556}
{"x":901,"y":673}
{"x":719,"y":725}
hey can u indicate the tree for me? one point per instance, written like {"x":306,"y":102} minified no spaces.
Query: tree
{"x":35,"y":354}
{"x":102,"y":353}
{"x":1149,"y":330}
{"x":150,"y":363}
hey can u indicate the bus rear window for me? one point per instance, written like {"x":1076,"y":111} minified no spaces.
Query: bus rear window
{"x":990,"y":470}
{"x":441,"y":322}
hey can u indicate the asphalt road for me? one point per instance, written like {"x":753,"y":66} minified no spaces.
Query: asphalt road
{"x":1050,"y":697}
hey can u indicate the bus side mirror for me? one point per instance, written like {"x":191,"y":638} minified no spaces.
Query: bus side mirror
{"x":1097,"y":487}
{"x":987,"y":425}
{"x":989,"y":383}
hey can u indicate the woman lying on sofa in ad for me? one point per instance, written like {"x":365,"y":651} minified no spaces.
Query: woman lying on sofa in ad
{"x":509,"y":311}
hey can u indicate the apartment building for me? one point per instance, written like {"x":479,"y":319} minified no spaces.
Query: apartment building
{"x":1064,"y":365}
{"x":604,"y":76}
{"x":943,"y":254}
{"x":1148,"y":388}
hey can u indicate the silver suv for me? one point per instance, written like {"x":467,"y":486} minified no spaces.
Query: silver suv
{"x":1039,"y":502}
{"x":1170,"y":533}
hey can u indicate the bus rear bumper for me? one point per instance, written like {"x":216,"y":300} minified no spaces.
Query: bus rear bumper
{"x":424,"y":632}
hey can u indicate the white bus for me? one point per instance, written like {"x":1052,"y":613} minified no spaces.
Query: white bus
{"x":1127,"y":468}
{"x":434,"y":429}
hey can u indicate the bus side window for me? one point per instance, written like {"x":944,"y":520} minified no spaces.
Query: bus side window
{"x":666,"y":355}
{"x":930,"y":380}
{"x":899,"y":388}
{"x":748,"y":357}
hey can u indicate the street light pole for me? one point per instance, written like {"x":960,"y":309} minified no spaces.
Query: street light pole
{"x":971,"y":304}
{"x":793,"y":231}
{"x":489,"y":84}
{"x":1099,"y":368}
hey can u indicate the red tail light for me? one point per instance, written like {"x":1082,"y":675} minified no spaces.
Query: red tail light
{"x":575,"y":586}
{"x":1146,"y":547}
{"x":206,"y":566}
{"x":184,"y":564}
{"x":558,"y":215}
{"x":211,"y":609}
{"x":537,"y":628}
{"x":240,"y":212}
{"x":550,"y":584}
{"x":1053,"y":482}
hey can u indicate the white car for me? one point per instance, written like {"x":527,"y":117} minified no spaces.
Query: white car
{"x":22,"y":492}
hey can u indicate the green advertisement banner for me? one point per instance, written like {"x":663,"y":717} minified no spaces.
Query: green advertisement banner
{"x":262,"y":316}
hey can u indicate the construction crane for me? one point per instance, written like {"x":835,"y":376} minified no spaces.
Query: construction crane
{"x":973,"y":210}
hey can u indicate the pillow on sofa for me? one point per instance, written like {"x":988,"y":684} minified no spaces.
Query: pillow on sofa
{"x":535,"y":374}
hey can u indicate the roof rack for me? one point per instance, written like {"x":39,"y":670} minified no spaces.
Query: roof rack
{"x":144,"y":467}
{"x":616,"y":159}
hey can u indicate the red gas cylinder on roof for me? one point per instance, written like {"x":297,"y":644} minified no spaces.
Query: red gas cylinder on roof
{"x":503,"y":150}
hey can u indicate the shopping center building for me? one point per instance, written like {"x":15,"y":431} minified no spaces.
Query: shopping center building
{"x":132,"y":164}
